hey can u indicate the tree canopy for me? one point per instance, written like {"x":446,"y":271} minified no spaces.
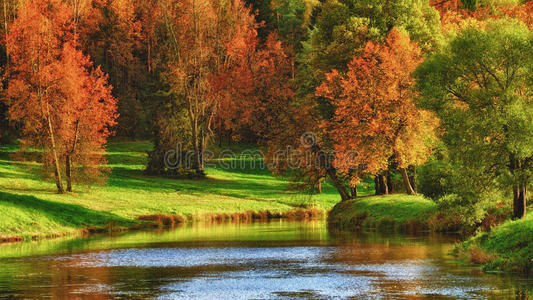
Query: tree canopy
{"x":480,"y":87}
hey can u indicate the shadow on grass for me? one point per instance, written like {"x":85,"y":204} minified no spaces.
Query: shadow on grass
{"x":241,"y":166}
{"x":65,"y":214}
{"x":20,"y":170}
{"x":128,"y":153}
{"x":125,"y":159}
{"x":136,"y":180}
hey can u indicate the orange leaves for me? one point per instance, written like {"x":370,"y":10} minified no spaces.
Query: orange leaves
{"x":454,"y":15}
{"x":254,"y":88}
{"x":91,"y":107}
{"x":522,"y":12}
{"x":375,"y":116}
{"x":65,"y":104}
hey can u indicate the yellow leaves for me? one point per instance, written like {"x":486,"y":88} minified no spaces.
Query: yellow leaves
{"x":460,"y":105}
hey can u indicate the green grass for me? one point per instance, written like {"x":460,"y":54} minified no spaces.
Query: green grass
{"x":392,"y":212}
{"x":29,"y":206}
{"x":508,"y":247}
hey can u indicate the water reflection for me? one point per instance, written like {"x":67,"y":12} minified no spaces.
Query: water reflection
{"x":258,"y":260}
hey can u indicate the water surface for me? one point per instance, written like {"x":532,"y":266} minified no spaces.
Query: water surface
{"x":252,"y":261}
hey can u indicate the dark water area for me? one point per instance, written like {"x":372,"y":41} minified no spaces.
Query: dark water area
{"x":281,"y":259}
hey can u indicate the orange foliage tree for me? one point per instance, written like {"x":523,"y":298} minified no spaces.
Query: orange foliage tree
{"x":254,"y":89}
{"x":257,"y":93}
{"x":376,"y":119}
{"x":110,"y":32}
{"x":204,"y":38}
{"x":64,"y":103}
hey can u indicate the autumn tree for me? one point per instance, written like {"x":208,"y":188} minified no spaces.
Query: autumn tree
{"x":8,"y":130}
{"x":257,"y":92}
{"x":376,"y":118}
{"x":88,"y":116}
{"x":339,"y":31}
{"x":110,"y":32}
{"x":199,"y":40}
{"x":254,"y":89}
{"x":480,"y":87}
{"x":64,"y":103}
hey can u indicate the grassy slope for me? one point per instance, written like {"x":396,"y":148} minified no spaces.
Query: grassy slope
{"x":384,"y":212}
{"x":30,"y":207}
{"x":507,"y":247}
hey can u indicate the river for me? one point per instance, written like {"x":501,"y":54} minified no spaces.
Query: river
{"x":278,"y":259}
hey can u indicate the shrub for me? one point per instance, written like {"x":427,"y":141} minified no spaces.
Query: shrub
{"x":434,"y":179}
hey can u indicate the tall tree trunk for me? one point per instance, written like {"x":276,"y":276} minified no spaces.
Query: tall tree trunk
{"x":390,"y":187}
{"x":519,"y":190}
{"x":196,"y":163}
{"x":377,"y":186}
{"x":68,"y":173}
{"x":68,"y":158}
{"x":384,"y":185}
{"x":408,"y":188}
{"x":381,"y":184}
{"x":331,"y":172}
{"x":57,"y":169}
{"x":412,"y":177}
{"x":519,"y":201}
{"x":353,"y":190}
{"x":200,"y":170}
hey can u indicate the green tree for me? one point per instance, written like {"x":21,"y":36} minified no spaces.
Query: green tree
{"x":480,"y":86}
{"x":290,"y":16}
{"x":344,"y":26}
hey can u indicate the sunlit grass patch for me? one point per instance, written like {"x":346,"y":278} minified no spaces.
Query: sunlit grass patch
{"x":391,"y":212}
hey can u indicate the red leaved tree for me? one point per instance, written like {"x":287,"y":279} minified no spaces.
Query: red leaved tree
{"x":64,"y":103}
{"x":376,"y":119}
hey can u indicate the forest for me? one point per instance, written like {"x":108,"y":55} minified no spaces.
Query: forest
{"x":413,"y":113}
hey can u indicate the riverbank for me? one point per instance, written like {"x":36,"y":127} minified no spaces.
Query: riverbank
{"x":30,"y":208}
{"x":499,"y":247}
{"x":508,"y":247}
{"x":396,"y":212}
{"x":404,"y":213}
{"x":275,"y":259}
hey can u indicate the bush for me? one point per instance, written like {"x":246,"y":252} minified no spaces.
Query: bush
{"x":434,"y":179}
{"x":471,"y":210}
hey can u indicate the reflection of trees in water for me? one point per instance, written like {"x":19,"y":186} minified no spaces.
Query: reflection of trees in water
{"x":396,"y":264}
{"x":407,"y":256}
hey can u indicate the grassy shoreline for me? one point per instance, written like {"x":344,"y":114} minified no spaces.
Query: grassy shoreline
{"x":31,"y":209}
{"x":396,"y":212}
{"x":508,"y":248}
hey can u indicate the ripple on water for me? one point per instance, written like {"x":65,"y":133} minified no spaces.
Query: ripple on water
{"x":236,"y":261}
{"x":274,"y":272}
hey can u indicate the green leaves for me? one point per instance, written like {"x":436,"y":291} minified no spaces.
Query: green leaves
{"x":480,"y":86}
